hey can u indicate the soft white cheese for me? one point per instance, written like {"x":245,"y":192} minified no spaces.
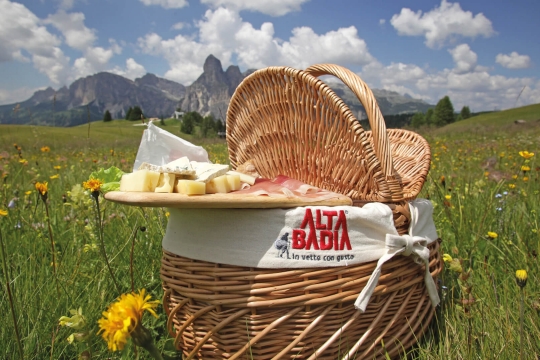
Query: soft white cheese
{"x":208,"y":171}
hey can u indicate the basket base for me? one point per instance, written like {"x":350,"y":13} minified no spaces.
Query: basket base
{"x":220,"y":311}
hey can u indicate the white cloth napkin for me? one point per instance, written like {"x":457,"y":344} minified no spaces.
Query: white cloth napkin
{"x":304,"y":237}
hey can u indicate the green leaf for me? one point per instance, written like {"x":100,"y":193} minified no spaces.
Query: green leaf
{"x":111,"y":186}
{"x":110,"y":178}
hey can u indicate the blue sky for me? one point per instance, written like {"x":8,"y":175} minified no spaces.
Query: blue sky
{"x":481,"y":53}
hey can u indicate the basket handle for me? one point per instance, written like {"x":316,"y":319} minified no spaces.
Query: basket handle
{"x":366,"y":97}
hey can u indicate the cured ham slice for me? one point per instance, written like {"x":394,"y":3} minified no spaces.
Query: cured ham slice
{"x":283,"y":186}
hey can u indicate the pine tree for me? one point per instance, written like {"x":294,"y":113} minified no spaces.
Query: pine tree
{"x":418,"y":120}
{"x":128,"y":113}
{"x":107,"y":116}
{"x":207,"y":125}
{"x":444,"y":112}
{"x":429,"y":116}
{"x":187,"y":124}
{"x":135,"y":113}
{"x":465,"y":112}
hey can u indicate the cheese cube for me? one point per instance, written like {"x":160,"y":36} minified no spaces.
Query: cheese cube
{"x":190,"y":187}
{"x":141,"y":180}
{"x":165,"y":183}
{"x":218,"y":185}
{"x":234,"y":182}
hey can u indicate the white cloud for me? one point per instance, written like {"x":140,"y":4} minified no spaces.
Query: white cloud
{"x":441,"y":24}
{"x":66,"y":4}
{"x":12,"y":96}
{"x":268,"y":7}
{"x":132,"y":71}
{"x":77,"y":35}
{"x":178,"y":26}
{"x":382,"y":21}
{"x":223,"y":33}
{"x":23,"y":38}
{"x":466,"y":84}
{"x":167,"y":4}
{"x":464,"y":58}
{"x":513,"y":60}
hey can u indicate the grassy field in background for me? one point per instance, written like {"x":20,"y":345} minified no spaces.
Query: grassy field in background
{"x":478,"y":183}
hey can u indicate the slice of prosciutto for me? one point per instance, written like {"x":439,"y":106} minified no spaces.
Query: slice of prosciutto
{"x":283,"y":186}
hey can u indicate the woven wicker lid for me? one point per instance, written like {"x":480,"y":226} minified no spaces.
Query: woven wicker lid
{"x":287,"y":121}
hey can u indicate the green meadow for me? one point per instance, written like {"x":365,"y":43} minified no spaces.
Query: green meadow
{"x":483,"y":183}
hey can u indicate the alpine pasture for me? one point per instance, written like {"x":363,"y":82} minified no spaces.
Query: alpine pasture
{"x":484,"y":183}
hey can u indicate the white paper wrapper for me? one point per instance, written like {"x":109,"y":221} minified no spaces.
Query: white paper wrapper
{"x":159,"y":147}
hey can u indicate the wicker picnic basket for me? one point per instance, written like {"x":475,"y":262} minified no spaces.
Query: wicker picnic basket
{"x":287,"y":121}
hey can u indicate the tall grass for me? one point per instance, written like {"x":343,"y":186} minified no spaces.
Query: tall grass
{"x":478,"y":195}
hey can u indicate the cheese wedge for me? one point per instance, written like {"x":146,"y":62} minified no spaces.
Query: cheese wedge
{"x":165,"y":183}
{"x":190,"y":187}
{"x":140,"y":180}
{"x":208,"y":171}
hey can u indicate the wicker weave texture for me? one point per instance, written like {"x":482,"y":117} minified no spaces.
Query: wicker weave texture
{"x":229,"y":312}
{"x":286,"y":121}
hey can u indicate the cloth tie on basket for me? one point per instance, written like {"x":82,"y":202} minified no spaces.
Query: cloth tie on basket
{"x":406,"y":245}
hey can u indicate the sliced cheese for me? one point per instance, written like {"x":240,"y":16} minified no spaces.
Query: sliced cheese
{"x":218,"y":185}
{"x":165,"y":183}
{"x":180,"y":166}
{"x":141,"y":180}
{"x":208,"y":171}
{"x":248,"y":179}
{"x":234,"y":182}
{"x":190,"y":187}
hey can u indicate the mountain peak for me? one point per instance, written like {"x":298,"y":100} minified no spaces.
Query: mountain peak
{"x":212,"y":64}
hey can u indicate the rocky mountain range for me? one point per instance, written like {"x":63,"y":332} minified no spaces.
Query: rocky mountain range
{"x":89,"y":97}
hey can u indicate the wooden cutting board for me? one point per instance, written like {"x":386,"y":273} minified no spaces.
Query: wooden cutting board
{"x":218,"y":201}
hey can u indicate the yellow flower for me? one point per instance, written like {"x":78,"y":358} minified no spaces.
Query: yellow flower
{"x":525,"y":168}
{"x":486,"y":173}
{"x":514,"y":177}
{"x":54,"y":177}
{"x":57,"y":167}
{"x":526,"y":154}
{"x":45,"y":149}
{"x":521,"y":278}
{"x":115,"y":327}
{"x":492,"y":234}
{"x":3,"y":212}
{"x":512,"y":186}
{"x":448,"y":197}
{"x":525,"y":178}
{"x":123,"y":316}
{"x":28,"y":192}
{"x":42,"y":188}
{"x":93,"y":184}
{"x":447,"y":258}
{"x":23,"y":161}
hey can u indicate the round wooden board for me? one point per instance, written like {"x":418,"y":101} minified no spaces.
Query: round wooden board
{"x":217,"y":201}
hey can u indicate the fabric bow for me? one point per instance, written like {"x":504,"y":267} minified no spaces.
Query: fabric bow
{"x":405,"y":245}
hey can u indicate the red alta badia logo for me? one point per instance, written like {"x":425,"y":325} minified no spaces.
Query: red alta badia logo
{"x":327,"y":230}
